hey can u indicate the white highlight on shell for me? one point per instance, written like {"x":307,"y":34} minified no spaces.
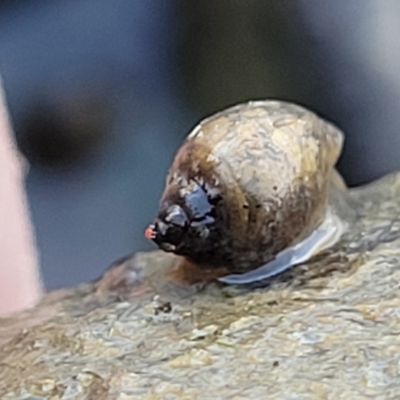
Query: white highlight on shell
{"x":325,"y":236}
{"x":196,"y":131}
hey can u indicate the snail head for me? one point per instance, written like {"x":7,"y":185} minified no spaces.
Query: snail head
{"x":186,"y":222}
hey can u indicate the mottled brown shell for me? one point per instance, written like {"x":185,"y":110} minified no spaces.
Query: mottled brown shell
{"x":272,"y":162}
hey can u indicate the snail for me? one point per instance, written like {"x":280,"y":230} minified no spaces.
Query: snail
{"x":249,"y":191}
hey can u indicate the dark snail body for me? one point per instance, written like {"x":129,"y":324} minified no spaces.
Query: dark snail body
{"x":248,"y":183}
{"x":191,"y":218}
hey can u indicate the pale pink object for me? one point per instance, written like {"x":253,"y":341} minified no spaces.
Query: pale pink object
{"x":20,"y":284}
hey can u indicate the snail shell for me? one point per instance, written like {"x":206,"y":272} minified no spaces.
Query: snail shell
{"x":248,"y":191}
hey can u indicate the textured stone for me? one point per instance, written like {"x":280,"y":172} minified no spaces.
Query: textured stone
{"x":328,"y":329}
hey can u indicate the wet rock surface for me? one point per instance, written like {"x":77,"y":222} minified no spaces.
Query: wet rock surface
{"x":326,"y":329}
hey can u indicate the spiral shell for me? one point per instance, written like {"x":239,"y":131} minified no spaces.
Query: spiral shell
{"x":250,"y":184}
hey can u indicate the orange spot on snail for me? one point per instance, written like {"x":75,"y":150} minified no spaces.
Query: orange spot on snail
{"x":149,"y":232}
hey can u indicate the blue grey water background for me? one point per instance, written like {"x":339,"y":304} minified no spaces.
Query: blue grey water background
{"x":86,"y":217}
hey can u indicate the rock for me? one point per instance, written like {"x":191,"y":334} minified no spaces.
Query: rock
{"x":326,"y":329}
